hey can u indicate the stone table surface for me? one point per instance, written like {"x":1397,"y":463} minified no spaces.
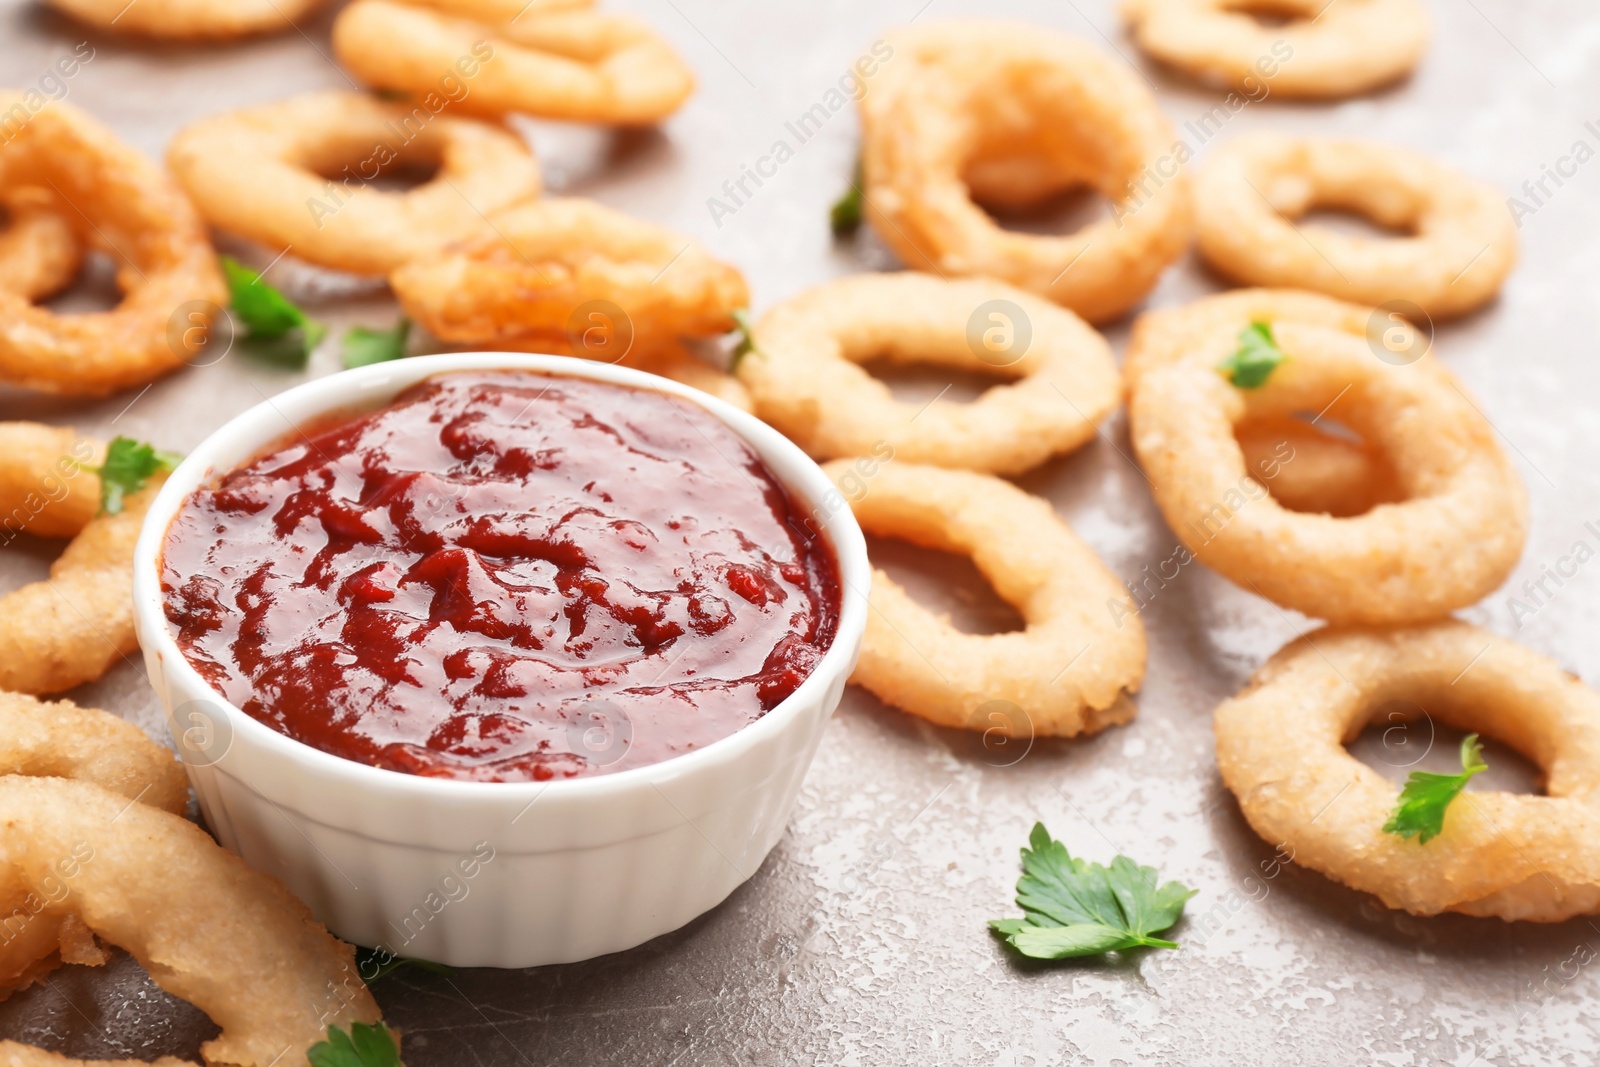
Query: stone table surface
{"x":862,"y":938}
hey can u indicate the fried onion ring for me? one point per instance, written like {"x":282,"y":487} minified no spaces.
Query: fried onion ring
{"x":230,"y":940}
{"x":1072,"y":669}
{"x":1328,"y":50}
{"x":39,"y":253}
{"x":805,"y":377}
{"x":259,"y":173}
{"x":586,"y":66}
{"x":1461,"y":240}
{"x":62,"y":740}
{"x":123,"y":205}
{"x":189,"y":19}
{"x":549,"y":258}
{"x":1280,"y":750}
{"x":59,"y":739}
{"x":1015,"y":114}
{"x":1316,"y":471}
{"x":70,"y":628}
{"x":1454,"y":537}
{"x":44,"y":489}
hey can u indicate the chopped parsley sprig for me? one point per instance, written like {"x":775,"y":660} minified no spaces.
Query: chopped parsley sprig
{"x":128,"y":467}
{"x":278,"y":329}
{"x":1257,"y":356}
{"x":845,"y":214}
{"x":1425,"y":796}
{"x":747,"y":336}
{"x":1077,"y":908}
{"x":363,"y":346}
{"x":363,"y":1046}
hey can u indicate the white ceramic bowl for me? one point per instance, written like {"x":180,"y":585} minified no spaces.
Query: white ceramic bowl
{"x":493,"y":874}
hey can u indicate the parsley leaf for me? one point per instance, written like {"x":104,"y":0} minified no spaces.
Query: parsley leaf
{"x":268,"y":316}
{"x":363,"y":346}
{"x":382,"y":963}
{"x":1257,"y":356}
{"x":1425,"y":796}
{"x":845,"y":215}
{"x":1078,"y":908}
{"x":129,"y":465}
{"x":363,"y":1046}
{"x":747,"y":336}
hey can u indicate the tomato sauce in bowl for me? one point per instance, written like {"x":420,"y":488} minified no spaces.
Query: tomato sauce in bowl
{"x":503,"y":576}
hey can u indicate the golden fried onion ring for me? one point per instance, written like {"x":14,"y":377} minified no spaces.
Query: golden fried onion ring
{"x":62,"y":740}
{"x":59,"y":739}
{"x":39,"y":253}
{"x":1013,"y":114}
{"x":73,"y":626}
{"x":189,"y":19}
{"x":44,"y":489}
{"x":123,"y":205}
{"x":1069,"y":672}
{"x":586,"y":66}
{"x":806,"y":379}
{"x":549,"y":257}
{"x":1454,"y":537}
{"x":1315,"y":471}
{"x":230,"y":940}
{"x":1280,"y":750}
{"x":1461,"y":240}
{"x":260,"y":172}
{"x":1328,"y":50}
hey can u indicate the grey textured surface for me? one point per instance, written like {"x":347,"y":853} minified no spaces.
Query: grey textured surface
{"x":862,"y":940}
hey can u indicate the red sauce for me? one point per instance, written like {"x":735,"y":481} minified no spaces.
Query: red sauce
{"x":503,"y":577}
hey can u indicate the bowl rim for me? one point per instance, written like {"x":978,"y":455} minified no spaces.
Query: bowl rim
{"x":269,"y":422}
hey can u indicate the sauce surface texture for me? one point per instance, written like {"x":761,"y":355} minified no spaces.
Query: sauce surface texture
{"x":503,"y":576}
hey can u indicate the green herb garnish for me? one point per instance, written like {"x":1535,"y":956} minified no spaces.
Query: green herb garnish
{"x":1078,"y":908}
{"x":129,"y":465}
{"x":383,"y":963}
{"x":1425,"y":796}
{"x":747,"y":336}
{"x":269,"y":316}
{"x":363,"y":1046}
{"x":845,"y":215}
{"x":363,"y":346}
{"x":1257,"y":357}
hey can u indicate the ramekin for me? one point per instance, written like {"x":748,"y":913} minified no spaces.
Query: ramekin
{"x":493,"y":874}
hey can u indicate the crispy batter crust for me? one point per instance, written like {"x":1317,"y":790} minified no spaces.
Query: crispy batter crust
{"x":549,"y":257}
{"x":1459,"y":245}
{"x":190,"y":19}
{"x":582,"y":65}
{"x":230,"y":940}
{"x":259,"y":172}
{"x":1329,"y":50}
{"x":71,"y":627}
{"x":1011,"y":115}
{"x":806,"y":378}
{"x":1454,"y":536}
{"x":1280,"y":750}
{"x":123,"y":205}
{"x":1071,"y":670}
